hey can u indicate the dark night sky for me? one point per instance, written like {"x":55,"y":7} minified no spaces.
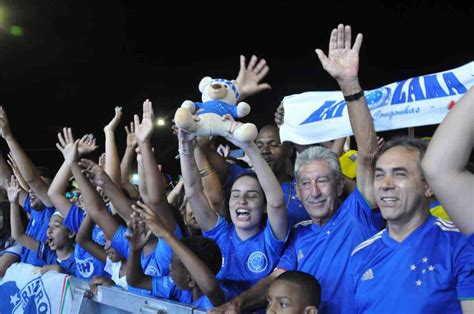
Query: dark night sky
{"x":77,"y":60}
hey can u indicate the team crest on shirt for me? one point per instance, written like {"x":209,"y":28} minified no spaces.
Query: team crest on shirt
{"x":257,"y":262}
{"x":152,"y":271}
{"x":421,"y":270}
{"x":85,"y":267}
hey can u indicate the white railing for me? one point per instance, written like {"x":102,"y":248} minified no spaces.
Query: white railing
{"x":114,"y":300}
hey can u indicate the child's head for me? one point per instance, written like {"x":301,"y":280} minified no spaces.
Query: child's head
{"x":294,"y":292}
{"x":206,"y":250}
{"x":247,"y":202}
{"x":59,"y":237}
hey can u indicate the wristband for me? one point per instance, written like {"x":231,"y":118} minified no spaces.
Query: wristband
{"x":354,"y":96}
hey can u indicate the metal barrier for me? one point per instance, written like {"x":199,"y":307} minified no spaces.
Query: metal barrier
{"x":112,"y":300}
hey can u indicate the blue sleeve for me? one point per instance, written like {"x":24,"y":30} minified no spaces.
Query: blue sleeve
{"x":464,"y":270}
{"x":163,"y":252}
{"x":362,"y":212}
{"x":119,"y":242}
{"x":272,"y":243}
{"x":197,"y":105}
{"x":220,"y":233}
{"x":164,"y":287}
{"x":74,"y":218}
{"x":27,"y":205}
{"x":288,"y":260}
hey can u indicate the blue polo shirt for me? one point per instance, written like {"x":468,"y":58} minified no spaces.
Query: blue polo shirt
{"x":87,"y":266}
{"x":296,"y":210}
{"x":429,"y":272}
{"x":324,"y":251}
{"x":244,"y":263}
{"x":36,"y":228}
{"x":154,"y":264}
{"x":50,"y":258}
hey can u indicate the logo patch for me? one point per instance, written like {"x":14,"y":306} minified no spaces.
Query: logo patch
{"x":257,"y":262}
{"x":31,"y":299}
{"x":368,"y":275}
{"x":152,"y":271}
{"x":85,"y":267}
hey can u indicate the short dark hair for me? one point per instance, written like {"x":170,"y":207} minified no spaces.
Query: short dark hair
{"x":410,"y":143}
{"x":308,"y":286}
{"x":206,"y":250}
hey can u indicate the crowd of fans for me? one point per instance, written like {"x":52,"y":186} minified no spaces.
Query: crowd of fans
{"x":294,"y":235}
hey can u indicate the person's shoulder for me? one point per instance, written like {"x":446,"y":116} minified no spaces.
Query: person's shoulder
{"x":368,"y":245}
{"x":446,"y":230}
{"x":302,"y":228}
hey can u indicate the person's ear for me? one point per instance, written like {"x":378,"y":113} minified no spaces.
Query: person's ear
{"x":428,"y":192}
{"x":310,"y":310}
{"x":191,"y":283}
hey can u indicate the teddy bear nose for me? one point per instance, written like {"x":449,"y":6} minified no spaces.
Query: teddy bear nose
{"x":216,"y":86}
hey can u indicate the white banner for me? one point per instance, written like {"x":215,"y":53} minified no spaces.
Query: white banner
{"x":315,"y":117}
{"x":24,"y":290}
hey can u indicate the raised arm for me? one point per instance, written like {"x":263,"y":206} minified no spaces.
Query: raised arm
{"x":98,"y":177}
{"x":137,"y":239}
{"x":342,"y":63}
{"x":84,"y":238}
{"x":26,"y":166}
{"x":250,"y":75}
{"x":129,"y":155}
{"x":216,"y":161}
{"x":58,"y":187}
{"x":16,"y":172}
{"x":276,"y":209}
{"x":5,"y":176}
{"x":202,"y":211}
{"x":445,"y":163}
{"x":17,"y":228}
{"x":112,"y":160}
{"x":154,"y":181}
{"x":198,"y":270}
{"x":211,"y":184}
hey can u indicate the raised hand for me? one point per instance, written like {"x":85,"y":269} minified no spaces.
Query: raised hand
{"x":86,"y":145}
{"x":230,"y":137}
{"x":4,"y":124}
{"x":115,"y":121}
{"x":102,"y":161}
{"x":342,"y":61}
{"x":16,"y":172}
{"x":67,"y":146}
{"x":131,"y":138}
{"x":151,"y":219}
{"x":94,"y":172}
{"x":280,"y":115}
{"x":13,"y":190}
{"x":137,"y":235}
{"x":144,"y":130}
{"x":250,"y":76}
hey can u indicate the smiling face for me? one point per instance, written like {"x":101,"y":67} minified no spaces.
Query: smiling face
{"x":246,"y":204}
{"x":318,"y":190}
{"x":287,"y":297}
{"x":58,"y":235}
{"x":400,"y":189}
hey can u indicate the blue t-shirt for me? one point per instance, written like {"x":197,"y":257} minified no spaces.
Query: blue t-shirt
{"x":87,"y":266}
{"x":324,"y":251}
{"x":216,"y":106}
{"x":164,"y":287}
{"x":429,"y":272}
{"x":296,"y":210}
{"x":37,"y":228}
{"x":50,"y":258}
{"x":154,"y":264}
{"x":244,"y":263}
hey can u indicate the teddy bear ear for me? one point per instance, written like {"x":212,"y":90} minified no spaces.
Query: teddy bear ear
{"x":205,"y":80}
